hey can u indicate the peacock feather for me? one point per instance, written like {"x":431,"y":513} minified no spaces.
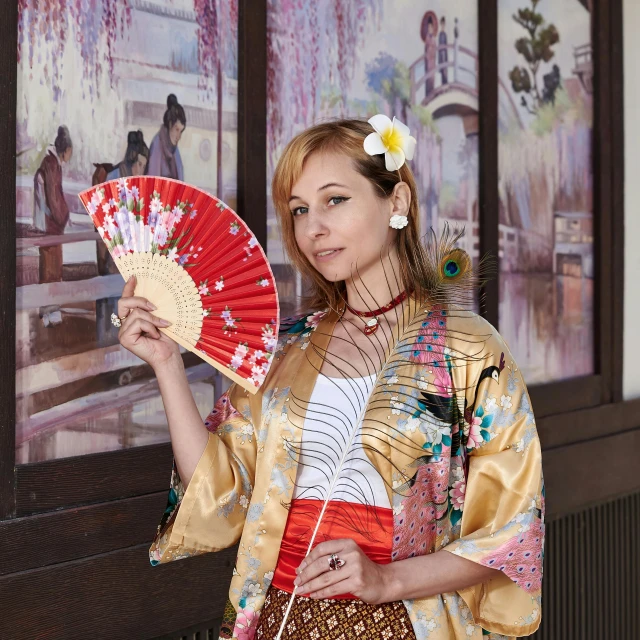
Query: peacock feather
{"x":380,"y":376}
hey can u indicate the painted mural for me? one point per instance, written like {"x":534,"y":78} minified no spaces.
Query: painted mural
{"x":106,"y":88}
{"x":546,"y":187}
{"x":415,"y":60}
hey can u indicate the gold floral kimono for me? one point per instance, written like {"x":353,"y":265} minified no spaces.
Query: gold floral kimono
{"x":471,"y":474}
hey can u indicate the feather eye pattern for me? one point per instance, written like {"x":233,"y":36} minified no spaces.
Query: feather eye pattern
{"x":454,"y":282}
{"x":339,"y":438}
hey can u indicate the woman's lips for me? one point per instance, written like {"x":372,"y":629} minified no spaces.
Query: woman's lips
{"x":327,"y":256}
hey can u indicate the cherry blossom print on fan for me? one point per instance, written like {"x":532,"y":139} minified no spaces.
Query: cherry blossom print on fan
{"x":199,"y":264}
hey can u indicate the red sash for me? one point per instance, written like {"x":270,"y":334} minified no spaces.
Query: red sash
{"x":340,"y":520}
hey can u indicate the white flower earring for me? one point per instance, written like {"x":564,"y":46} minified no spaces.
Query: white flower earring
{"x":398,"y":222}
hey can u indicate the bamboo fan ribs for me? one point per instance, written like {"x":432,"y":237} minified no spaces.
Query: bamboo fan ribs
{"x":199,"y":264}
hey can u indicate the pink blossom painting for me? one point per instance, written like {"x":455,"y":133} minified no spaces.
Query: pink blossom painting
{"x":417,"y":61}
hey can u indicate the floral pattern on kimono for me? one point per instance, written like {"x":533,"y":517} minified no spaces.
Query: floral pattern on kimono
{"x":469,"y":484}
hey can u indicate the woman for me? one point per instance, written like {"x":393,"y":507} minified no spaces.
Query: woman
{"x":393,"y":434}
{"x":164,"y":155}
{"x":50,"y":210}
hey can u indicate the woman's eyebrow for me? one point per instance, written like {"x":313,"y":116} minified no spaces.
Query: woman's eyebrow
{"x":322,"y":188}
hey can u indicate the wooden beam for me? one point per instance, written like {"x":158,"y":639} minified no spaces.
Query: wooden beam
{"x":54,"y":241}
{"x":252,"y":119}
{"x":54,"y":373}
{"x":99,"y":477}
{"x":603,"y":303}
{"x":617,"y":197}
{"x":8,"y":73}
{"x":33,"y":296}
{"x":565,"y":396}
{"x":488,"y":195}
{"x":606,"y":420}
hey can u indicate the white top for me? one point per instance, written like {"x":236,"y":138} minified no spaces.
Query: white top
{"x":334,"y":407}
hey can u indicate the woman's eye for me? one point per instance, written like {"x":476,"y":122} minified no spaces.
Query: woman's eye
{"x":299,"y":210}
{"x":338,"y":198}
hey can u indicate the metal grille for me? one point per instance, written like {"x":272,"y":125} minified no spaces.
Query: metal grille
{"x":592,"y":574}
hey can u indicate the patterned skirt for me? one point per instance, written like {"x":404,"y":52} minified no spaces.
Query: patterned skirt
{"x":332,"y":619}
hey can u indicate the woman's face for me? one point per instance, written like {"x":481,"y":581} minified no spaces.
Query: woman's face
{"x":66,"y":155}
{"x":339,"y":221}
{"x":175,"y":133}
{"x":138,"y":167}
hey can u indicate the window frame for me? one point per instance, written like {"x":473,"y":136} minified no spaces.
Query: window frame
{"x":28,"y":489}
{"x":605,"y":384}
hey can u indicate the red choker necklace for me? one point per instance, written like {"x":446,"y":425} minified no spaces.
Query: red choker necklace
{"x":372,"y":324}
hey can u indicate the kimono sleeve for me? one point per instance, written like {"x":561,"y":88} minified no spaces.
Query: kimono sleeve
{"x":502,"y":497}
{"x":210,"y":514}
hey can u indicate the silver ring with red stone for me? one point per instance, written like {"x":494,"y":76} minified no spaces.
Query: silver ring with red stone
{"x":336,"y":562}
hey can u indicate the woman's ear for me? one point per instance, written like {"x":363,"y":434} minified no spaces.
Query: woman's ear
{"x":400,"y":200}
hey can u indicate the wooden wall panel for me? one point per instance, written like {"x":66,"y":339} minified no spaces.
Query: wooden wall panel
{"x":114,"y":596}
{"x":591,"y":472}
{"x":98,"y":477}
{"x":60,"y":536}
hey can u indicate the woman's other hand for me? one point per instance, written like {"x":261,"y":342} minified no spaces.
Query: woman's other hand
{"x":140,"y":333}
{"x":359,"y":576}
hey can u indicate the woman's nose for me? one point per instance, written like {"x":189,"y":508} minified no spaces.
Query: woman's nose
{"x":315,"y":225}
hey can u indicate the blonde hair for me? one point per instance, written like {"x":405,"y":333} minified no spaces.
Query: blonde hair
{"x":347,"y":136}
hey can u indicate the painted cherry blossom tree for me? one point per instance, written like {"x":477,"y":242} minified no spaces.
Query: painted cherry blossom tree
{"x":307,"y":42}
{"x":217,"y":40}
{"x":217,"y":51}
{"x":45,"y":28}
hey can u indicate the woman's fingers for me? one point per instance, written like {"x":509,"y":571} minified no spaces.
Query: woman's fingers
{"x":129,"y":287}
{"x":317,"y":577}
{"x":134,"y":329}
{"x":140,"y":326}
{"x":128,"y":301}
{"x":127,"y":305}
{"x":324,"y":549}
{"x":314,"y":572}
{"x":138,"y":319}
{"x":333,"y":589}
{"x":319,"y":567}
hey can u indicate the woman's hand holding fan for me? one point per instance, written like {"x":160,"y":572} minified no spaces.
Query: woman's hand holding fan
{"x":197,"y":262}
{"x":140,"y":331}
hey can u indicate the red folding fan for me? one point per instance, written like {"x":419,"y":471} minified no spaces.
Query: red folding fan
{"x":199,"y":264}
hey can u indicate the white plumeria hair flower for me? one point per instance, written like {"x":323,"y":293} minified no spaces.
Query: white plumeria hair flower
{"x":392,"y":139}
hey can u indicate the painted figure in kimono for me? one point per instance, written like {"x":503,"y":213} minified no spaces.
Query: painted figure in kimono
{"x":429,"y":33}
{"x":134,"y":163}
{"x":443,"y":52}
{"x":50,"y":210}
{"x":385,"y":481}
{"x":164,"y":155}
